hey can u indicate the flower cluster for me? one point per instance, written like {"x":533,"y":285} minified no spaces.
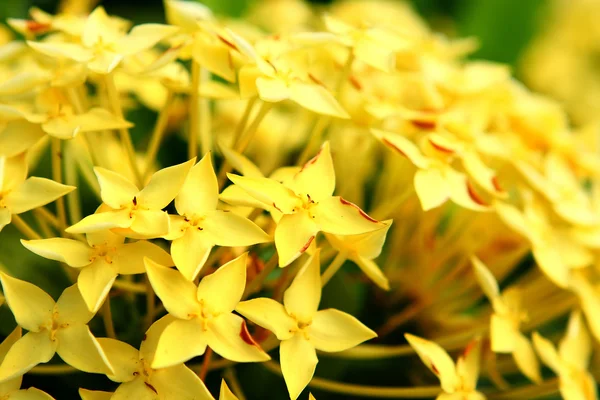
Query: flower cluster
{"x":311,"y":118}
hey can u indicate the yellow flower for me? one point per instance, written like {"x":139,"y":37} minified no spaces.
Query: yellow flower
{"x":308,"y":206}
{"x":57,"y":118}
{"x":101,"y":260}
{"x":571,"y":360}
{"x":436,"y":181}
{"x":19,"y":193}
{"x":458,"y":381}
{"x":505,"y":321}
{"x":137,"y":213}
{"x":554,"y":247}
{"x":9,"y":389}
{"x":203,"y":315}
{"x":302,"y":329}
{"x":362,"y":249}
{"x":132,"y":368}
{"x":103,"y":45}
{"x":201,"y":226}
{"x":94,"y":394}
{"x":54,"y":327}
{"x":279,"y":77}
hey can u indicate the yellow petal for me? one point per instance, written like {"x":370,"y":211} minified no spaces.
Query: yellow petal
{"x":431,"y":187}
{"x":102,"y":221}
{"x":31,"y":306}
{"x":228,"y":229}
{"x":467,"y":365}
{"x":486,"y":279}
{"x":332,"y":330}
{"x":14,"y":384}
{"x":179,"y":382}
{"x":437,"y":360}
{"x":94,"y":282}
{"x":225,"y":393}
{"x":241,"y":163}
{"x":148,"y":224}
{"x":5,"y":217}
{"x":316,"y":98}
{"x":272,"y":89}
{"x":152,"y":337}
{"x":136,"y":389}
{"x":35,"y":192}
{"x":80,"y":349}
{"x":116,"y":190}
{"x":341,"y":217}
{"x":19,"y":136}
{"x":462,"y":191}
{"x":123,"y":357}
{"x":402,"y":146}
{"x":130,"y":257}
{"x":590,"y":304}
{"x":317,"y":177}
{"x":98,"y":27}
{"x":71,"y":307}
{"x":104,"y":62}
{"x":575,"y":347}
{"x":228,"y":336}
{"x":177,"y":294}
{"x":302,"y":298}
{"x":365,"y":245}
{"x":189,"y":263}
{"x":268,"y":191}
{"x":550,"y":262}
{"x":374,"y":54}
{"x":30,"y":394}
{"x":13,"y":172}
{"x":237,"y":196}
{"x":547,"y":352}
{"x":481,"y":173}
{"x":504,"y":332}
{"x":185,"y":14}
{"x":216,"y":57}
{"x":372,"y":271}
{"x":526,"y":359}
{"x":222,"y":290}
{"x":72,"y":252}
{"x":180,"y":341}
{"x":270,"y":315}
{"x":143,"y":37}
{"x":94,"y":394}
{"x":293,"y":236}
{"x":32,"y":349}
{"x":200,"y":192}
{"x":164,"y":186}
{"x":71,"y":51}
{"x":298,"y":362}
{"x":512,"y":217}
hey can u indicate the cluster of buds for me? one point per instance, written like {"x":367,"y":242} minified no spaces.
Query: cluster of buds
{"x":311,"y":118}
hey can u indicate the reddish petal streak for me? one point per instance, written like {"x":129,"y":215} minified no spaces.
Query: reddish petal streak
{"x":440,"y":147}
{"x":149,"y":386}
{"x":227,"y":42}
{"x":355,"y":82}
{"x":474,"y":196}
{"x":37,"y":27}
{"x":307,"y":245}
{"x":390,"y":144}
{"x":246,"y":336}
{"x":361,"y":212}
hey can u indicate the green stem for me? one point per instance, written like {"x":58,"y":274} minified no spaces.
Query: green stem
{"x":24,"y":227}
{"x":335,"y":265}
{"x":194,"y":128}
{"x":243,"y":121}
{"x":349,"y":389}
{"x":57,"y":177}
{"x":108,"y":319}
{"x":157,"y":134}
{"x":115,"y":102}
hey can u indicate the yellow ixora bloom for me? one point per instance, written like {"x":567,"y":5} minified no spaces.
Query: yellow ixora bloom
{"x":100,"y":260}
{"x":505,"y":321}
{"x":170,"y":389}
{"x":103,"y":44}
{"x":436,"y":180}
{"x":10,"y":389}
{"x":203,"y":315}
{"x":200,"y":226}
{"x":308,"y":206}
{"x":132,"y":368}
{"x":571,"y":360}
{"x":362,"y":249}
{"x":133,"y":212}
{"x":303,"y":329}
{"x":19,"y":193}
{"x":279,"y":77}
{"x":54,"y":327}
{"x":458,"y":381}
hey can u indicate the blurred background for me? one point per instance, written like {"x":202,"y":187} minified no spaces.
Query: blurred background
{"x":552,"y":46}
